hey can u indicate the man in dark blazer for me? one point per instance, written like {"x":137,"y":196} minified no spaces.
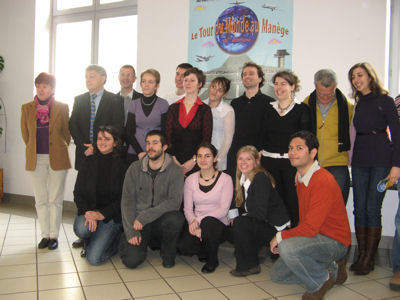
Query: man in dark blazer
{"x":109,"y":110}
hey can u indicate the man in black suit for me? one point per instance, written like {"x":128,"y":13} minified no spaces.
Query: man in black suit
{"x":107,"y":108}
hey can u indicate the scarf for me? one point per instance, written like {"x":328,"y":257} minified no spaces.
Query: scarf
{"x":43,"y":110}
{"x":343,"y":119}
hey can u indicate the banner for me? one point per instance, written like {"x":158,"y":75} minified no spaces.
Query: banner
{"x":225,"y":34}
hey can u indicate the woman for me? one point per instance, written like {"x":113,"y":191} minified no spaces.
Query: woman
{"x":97,"y":194}
{"x":283,"y":117}
{"x":44,"y":127}
{"x":189,"y":122}
{"x":207,"y":198}
{"x":259,"y":213}
{"x":145,"y":114}
{"x":223,"y":119}
{"x":375,"y":157}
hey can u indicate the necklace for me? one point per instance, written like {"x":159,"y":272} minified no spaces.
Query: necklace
{"x":283,"y":109}
{"x":207,"y":180}
{"x":149,"y":104}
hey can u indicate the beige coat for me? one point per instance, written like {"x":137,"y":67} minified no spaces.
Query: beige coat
{"x":59,"y":136}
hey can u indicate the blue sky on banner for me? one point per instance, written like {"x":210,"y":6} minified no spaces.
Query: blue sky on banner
{"x":260,"y":29}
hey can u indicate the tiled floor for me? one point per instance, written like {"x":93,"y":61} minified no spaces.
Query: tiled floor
{"x":28,"y":273}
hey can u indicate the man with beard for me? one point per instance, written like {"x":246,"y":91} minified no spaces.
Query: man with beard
{"x":249,"y":111}
{"x":151,"y":198}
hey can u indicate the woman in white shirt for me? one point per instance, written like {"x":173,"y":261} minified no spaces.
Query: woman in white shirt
{"x":223,"y":118}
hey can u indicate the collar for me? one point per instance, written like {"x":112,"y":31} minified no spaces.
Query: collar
{"x":245,"y":182}
{"x":99,"y":95}
{"x":218,"y":108}
{"x":307,"y":177}
{"x":130,"y":94}
{"x":197,"y":102}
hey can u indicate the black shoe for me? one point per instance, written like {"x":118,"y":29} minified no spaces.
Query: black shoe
{"x":83,"y":253}
{"x":53,"y":244}
{"x":202,"y":258}
{"x":43,"y":243}
{"x":251,"y":271}
{"x":78,"y":243}
{"x":209,"y":268}
{"x":168,"y":263}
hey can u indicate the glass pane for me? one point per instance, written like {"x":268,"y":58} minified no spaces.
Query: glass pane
{"x":117,"y":47}
{"x":72,"y":56}
{"x":67,"y":4}
{"x":110,"y":1}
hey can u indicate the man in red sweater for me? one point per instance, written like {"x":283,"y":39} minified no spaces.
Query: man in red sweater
{"x":313,"y":252}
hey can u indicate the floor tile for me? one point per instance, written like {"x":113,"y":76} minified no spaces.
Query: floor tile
{"x":213,"y":294}
{"x":9,"y":241}
{"x":379,"y":272}
{"x":373,"y":290}
{"x":99,"y":277}
{"x":17,"y":285}
{"x":20,"y":296}
{"x":342,"y":292}
{"x":15,"y":271}
{"x":154,"y":287}
{"x":56,"y":267}
{"x":277,"y":289}
{"x":245,"y":291}
{"x":161,"y":297}
{"x":107,"y":292}
{"x":180,"y":269}
{"x":18,"y":249}
{"x":188,"y":283}
{"x":54,"y":256}
{"x":218,"y":279}
{"x":58,"y":281}
{"x":21,"y":233}
{"x":83,"y":265}
{"x":143,"y":272}
{"x":17,"y":259}
{"x":62,"y":294}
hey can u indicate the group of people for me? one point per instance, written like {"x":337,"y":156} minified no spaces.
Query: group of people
{"x":183,"y":175}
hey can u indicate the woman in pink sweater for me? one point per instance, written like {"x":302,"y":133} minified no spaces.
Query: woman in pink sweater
{"x":207,"y":198}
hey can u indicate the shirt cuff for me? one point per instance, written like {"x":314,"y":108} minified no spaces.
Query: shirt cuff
{"x":278,"y":237}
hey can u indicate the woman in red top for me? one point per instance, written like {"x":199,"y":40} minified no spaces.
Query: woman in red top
{"x":189,"y":122}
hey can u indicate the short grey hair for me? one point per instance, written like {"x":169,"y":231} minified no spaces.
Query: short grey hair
{"x":326,"y":77}
{"x":98,"y":69}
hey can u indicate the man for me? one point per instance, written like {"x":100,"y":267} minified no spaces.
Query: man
{"x":91,"y":110}
{"x":308,"y":252}
{"x":151,"y":198}
{"x":331,"y":114}
{"x":249,"y":112}
{"x":127,"y":77}
{"x":179,"y":92}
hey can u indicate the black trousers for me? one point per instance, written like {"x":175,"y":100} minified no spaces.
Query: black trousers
{"x":284,"y":175}
{"x":212,"y":235}
{"x":163,"y":233}
{"x":249,"y":236}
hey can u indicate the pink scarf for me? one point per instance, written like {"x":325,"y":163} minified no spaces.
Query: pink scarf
{"x":43,"y":111}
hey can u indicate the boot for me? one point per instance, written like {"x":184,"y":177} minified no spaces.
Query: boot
{"x":361,"y":234}
{"x":367,"y":264}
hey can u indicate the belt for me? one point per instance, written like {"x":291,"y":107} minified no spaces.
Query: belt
{"x":275,"y":155}
{"x":372,"y":132}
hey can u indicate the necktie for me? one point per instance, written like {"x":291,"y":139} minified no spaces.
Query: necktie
{"x":127,"y":100}
{"x":92,"y":116}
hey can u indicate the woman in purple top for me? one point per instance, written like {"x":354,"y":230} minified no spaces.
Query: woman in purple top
{"x":207,"y":198}
{"x":375,"y":157}
{"x":146,"y":113}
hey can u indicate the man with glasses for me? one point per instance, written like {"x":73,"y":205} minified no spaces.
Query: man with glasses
{"x":331,"y":114}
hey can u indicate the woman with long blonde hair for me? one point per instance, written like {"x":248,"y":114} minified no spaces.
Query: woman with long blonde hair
{"x":259,"y":211}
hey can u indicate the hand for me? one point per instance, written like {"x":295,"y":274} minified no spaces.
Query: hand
{"x":137,"y":225}
{"x":273,"y":245}
{"x":94,"y":215}
{"x":394,"y":175}
{"x":92,"y":224}
{"x":197,"y":233}
{"x":135,"y":241}
{"x":141,"y":154}
{"x":231,"y":221}
{"x":188,"y":165}
{"x":193,"y":227}
{"x":89,"y":150}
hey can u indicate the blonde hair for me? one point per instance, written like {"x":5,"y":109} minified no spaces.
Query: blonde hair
{"x":258,"y":168}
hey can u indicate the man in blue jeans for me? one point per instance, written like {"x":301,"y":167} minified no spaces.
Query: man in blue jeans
{"x":312,"y":253}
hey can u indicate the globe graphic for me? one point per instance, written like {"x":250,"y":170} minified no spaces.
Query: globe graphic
{"x":233,"y":39}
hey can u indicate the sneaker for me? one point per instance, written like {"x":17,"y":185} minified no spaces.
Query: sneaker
{"x":395,"y":282}
{"x":251,"y":271}
{"x":318,"y":295}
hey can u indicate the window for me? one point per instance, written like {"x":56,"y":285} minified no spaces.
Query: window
{"x":88,"y":32}
{"x":394,"y":50}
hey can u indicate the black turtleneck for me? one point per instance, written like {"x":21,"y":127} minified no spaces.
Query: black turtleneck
{"x":148,"y":103}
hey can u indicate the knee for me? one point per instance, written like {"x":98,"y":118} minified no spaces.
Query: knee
{"x":94,"y":258}
{"x":286,"y":249}
{"x":79,"y":227}
{"x":173,"y":221}
{"x":133,"y":261}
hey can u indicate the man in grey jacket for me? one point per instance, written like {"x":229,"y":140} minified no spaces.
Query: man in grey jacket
{"x":151,"y":198}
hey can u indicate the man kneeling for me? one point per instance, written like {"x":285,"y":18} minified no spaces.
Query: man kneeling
{"x":151,"y":198}
{"x":313,"y":252}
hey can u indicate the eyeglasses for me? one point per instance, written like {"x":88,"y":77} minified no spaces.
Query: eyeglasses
{"x":326,"y":95}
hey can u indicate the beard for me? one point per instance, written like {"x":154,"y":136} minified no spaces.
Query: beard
{"x":155,"y":156}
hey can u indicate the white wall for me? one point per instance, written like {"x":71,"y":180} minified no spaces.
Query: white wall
{"x":327,"y":34}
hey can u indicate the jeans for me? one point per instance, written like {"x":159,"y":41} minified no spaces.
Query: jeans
{"x":48,"y":188}
{"x":367,"y":200}
{"x":101,"y":244}
{"x":342,"y":176}
{"x":396,"y":239}
{"x":307,"y":260}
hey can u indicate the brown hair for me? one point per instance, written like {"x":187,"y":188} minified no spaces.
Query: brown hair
{"x":153,"y":72}
{"x":259,"y":72}
{"x":201,"y":77}
{"x":290,"y":77}
{"x":46,"y":78}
